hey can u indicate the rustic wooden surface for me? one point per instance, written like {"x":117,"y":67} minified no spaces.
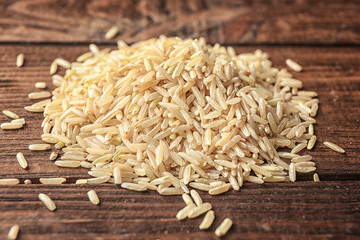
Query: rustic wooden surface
{"x":326,"y":42}
{"x":226,"y":21}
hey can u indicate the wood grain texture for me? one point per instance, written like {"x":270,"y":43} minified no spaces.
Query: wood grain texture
{"x":323,"y":36}
{"x":227,"y":21}
{"x":272,"y":211}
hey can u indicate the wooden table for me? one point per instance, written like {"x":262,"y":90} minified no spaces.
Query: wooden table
{"x":323,"y":36}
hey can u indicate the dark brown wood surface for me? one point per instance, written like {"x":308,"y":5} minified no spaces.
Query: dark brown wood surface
{"x":323,"y":36}
{"x":226,"y":21}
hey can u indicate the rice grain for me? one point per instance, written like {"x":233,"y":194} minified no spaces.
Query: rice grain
{"x":199,"y":210}
{"x":40,"y":85}
{"x":39,"y":95}
{"x":316,"y":177}
{"x":52,"y":180}
{"x":21,"y":159}
{"x":20,"y":60}
{"x":334,"y":147}
{"x":184,"y":213}
{"x":293,"y":65}
{"x":197,"y":199}
{"x":111,"y":33}
{"x":207,"y":220}
{"x":13,"y":233}
{"x":10,"y":114}
{"x":47,"y":201}
{"x":9,"y":181}
{"x":39,"y":147}
{"x":224,"y":227}
{"x":93,"y":197}
{"x":11,"y":126}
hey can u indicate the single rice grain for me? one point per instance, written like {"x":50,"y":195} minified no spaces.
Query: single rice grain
{"x":10,"y":114}
{"x":40,"y":85}
{"x":20,"y":60}
{"x":93,"y":197}
{"x":39,"y":95}
{"x":197,"y":199}
{"x":53,"y":68}
{"x":39,"y":147}
{"x":52,"y":180}
{"x":53,"y":156}
{"x":334,"y":147}
{"x":187,"y":199}
{"x":293,"y":65}
{"x":134,"y":187}
{"x":9,"y":181}
{"x":13,"y":233}
{"x":184,"y":213}
{"x":207,"y":220}
{"x":11,"y":126}
{"x":199,"y":210}
{"x":224,"y":227}
{"x":27,"y":181}
{"x":316,"y":177}
{"x":111,"y":33}
{"x":220,"y":189}
{"x":21,"y":159}
{"x":47,"y":201}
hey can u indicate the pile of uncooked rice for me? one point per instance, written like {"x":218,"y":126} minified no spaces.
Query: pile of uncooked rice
{"x":165,"y":113}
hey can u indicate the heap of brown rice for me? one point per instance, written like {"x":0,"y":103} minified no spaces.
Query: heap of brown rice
{"x":165,"y":113}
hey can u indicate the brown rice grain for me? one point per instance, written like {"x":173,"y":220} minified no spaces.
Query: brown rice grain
{"x":53,"y":68}
{"x":49,"y":204}
{"x":311,"y":142}
{"x":40,"y":85}
{"x":199,"y":210}
{"x":207,"y":220}
{"x":52,"y":180}
{"x":13,"y":233}
{"x":10,"y":114}
{"x":134,"y":186}
{"x":93,"y":197}
{"x":27,"y":181}
{"x":183,"y":213}
{"x":197,"y":199}
{"x":39,"y":95}
{"x":334,"y":147}
{"x":21,"y":159}
{"x":9,"y":181}
{"x":81,"y":181}
{"x":111,"y":33}
{"x":20,"y":120}
{"x":63,"y":63}
{"x":316,"y":177}
{"x":292,"y":172}
{"x":53,"y":156}
{"x":39,"y":147}
{"x":117,"y":175}
{"x":67,"y":164}
{"x":293,"y":65}
{"x":187,"y":199}
{"x":170,"y":191}
{"x":224,"y":227}
{"x":11,"y":126}
{"x":98,"y":180}
{"x":220,"y":189}
{"x":20,"y":60}
{"x":34,"y":109}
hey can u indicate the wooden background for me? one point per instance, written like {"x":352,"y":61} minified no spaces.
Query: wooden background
{"x":323,"y":36}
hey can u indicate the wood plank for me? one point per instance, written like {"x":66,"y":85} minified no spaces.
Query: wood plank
{"x":229,"y":21}
{"x":272,"y":211}
{"x":333,"y":72}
